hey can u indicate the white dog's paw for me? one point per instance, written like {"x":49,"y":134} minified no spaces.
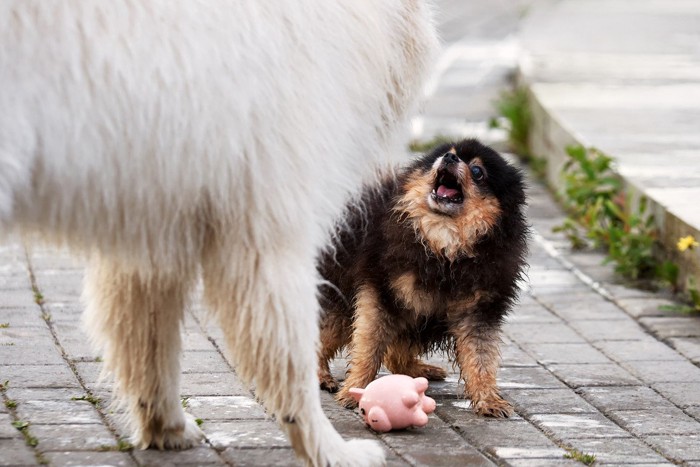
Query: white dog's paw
{"x":185,"y":438}
{"x":183,"y":435}
{"x":361,"y":452}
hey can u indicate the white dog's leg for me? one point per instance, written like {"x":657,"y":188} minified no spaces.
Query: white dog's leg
{"x":135,"y":320}
{"x":266,"y":304}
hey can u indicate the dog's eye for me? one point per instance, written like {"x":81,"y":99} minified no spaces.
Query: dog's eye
{"x":362,"y":411}
{"x":477,"y":172}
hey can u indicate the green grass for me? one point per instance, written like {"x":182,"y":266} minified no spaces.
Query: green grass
{"x":10,"y":404}
{"x":577,"y":455}
{"x":89,"y":397}
{"x":514,"y":108}
{"x":23,"y":427}
{"x":4,"y":325}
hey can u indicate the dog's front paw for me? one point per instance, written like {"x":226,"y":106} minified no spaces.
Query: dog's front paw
{"x":328,"y":383}
{"x":430,"y":372}
{"x":183,"y":435}
{"x":344,"y":398}
{"x":493,"y":407}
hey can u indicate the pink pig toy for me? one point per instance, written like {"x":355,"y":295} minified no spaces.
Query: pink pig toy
{"x":394,"y":402}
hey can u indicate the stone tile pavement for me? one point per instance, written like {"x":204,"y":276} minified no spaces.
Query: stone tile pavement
{"x":589,"y":363}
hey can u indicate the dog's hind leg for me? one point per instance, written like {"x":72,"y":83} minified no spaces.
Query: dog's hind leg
{"x":401,"y":358}
{"x":135,"y":320}
{"x":267,"y":306}
{"x":336,"y":332}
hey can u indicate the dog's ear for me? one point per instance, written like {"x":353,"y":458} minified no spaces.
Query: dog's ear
{"x":356,"y":393}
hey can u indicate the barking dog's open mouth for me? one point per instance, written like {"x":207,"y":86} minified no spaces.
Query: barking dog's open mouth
{"x":447,"y":188}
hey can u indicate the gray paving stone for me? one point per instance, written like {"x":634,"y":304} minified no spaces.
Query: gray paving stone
{"x":196,"y":340}
{"x":254,"y":457}
{"x":85,"y":458}
{"x":601,"y":330}
{"x":618,"y":450}
{"x":17,"y":299}
{"x":245,"y":434}
{"x":200,"y":455}
{"x":593,"y":307}
{"x":553,"y":453}
{"x":681,"y":394}
{"x":20,"y":336}
{"x":542,"y":462}
{"x":567,"y":427}
{"x":72,"y":437}
{"x":541,"y":333}
{"x":679,"y":448}
{"x":527,"y":378}
{"x":547,"y":401}
{"x":666,"y":327}
{"x":664,"y":372}
{"x":44,"y":394}
{"x":532,"y":314}
{"x":644,"y":307}
{"x":204,"y":362}
{"x":58,"y":412}
{"x":225,"y":408}
{"x":511,"y":355}
{"x":19,"y":317}
{"x":15,"y":452}
{"x":21,"y":353}
{"x":545,"y":292}
{"x":493,"y":434}
{"x":624,"y":398}
{"x":39,"y":376}
{"x":646,"y":349}
{"x":594,"y":374}
{"x":90,"y":372}
{"x":68,"y":310}
{"x":625,"y":292}
{"x":655,"y":421}
{"x":434,"y":444}
{"x":688,"y":346}
{"x":6,"y":428}
{"x":565,"y":353}
{"x":693,"y":411}
{"x":212,"y":384}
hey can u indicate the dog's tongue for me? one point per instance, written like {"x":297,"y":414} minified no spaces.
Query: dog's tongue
{"x":444,"y":192}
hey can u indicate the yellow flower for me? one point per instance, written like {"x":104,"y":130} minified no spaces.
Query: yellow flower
{"x":687,"y":243}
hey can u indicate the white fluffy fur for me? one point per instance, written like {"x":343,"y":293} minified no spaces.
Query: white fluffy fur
{"x":168,"y":138}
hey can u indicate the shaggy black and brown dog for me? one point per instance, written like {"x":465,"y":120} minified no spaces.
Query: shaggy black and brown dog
{"x":428,"y":260}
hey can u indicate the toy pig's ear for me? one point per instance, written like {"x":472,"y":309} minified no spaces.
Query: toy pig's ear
{"x":356,"y":393}
{"x":410,"y":399}
{"x":421,"y":384}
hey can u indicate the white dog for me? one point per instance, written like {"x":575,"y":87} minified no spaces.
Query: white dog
{"x":169,"y":139}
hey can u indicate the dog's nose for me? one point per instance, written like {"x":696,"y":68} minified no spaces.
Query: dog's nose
{"x":450,"y":158}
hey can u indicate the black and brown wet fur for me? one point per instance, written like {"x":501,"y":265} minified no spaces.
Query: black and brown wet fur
{"x":427,"y":260}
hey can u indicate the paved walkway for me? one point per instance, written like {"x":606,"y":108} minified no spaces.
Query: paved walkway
{"x":589,"y":364}
{"x":622,"y":76}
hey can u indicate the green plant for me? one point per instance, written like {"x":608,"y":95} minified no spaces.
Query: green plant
{"x":4,"y":325}
{"x":38,"y":296}
{"x":23,"y":427}
{"x":687,"y":243}
{"x":577,"y":455}
{"x":601,"y":215}
{"x":10,"y":404}
{"x":89,"y":398}
{"x":514,"y":108}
